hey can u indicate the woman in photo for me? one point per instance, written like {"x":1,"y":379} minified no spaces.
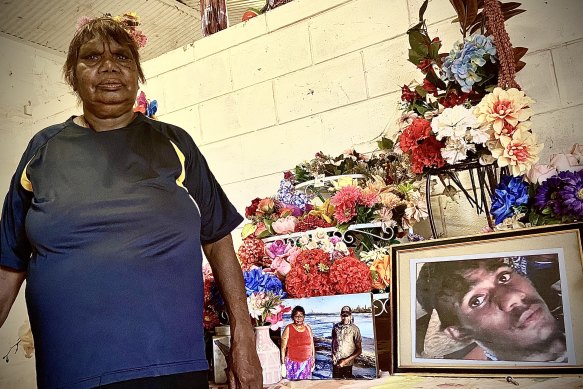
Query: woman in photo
{"x":298,"y":354}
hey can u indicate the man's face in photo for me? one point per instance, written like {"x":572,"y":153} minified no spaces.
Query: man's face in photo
{"x":345,"y":317}
{"x":503,"y":309}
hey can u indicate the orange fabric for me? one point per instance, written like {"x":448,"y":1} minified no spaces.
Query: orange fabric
{"x":299,"y":344}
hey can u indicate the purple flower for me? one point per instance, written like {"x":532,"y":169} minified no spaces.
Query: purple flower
{"x":510,"y":193}
{"x":572,"y":193}
{"x":546,"y":197}
{"x":277,"y":248}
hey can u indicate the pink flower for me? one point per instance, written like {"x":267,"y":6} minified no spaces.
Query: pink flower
{"x":368,"y":198}
{"x":539,"y":173}
{"x":565,"y":162}
{"x":577,"y":151}
{"x":519,"y":152}
{"x":281,"y":266}
{"x":284,"y":225}
{"x":277,"y":249}
{"x":504,"y":109}
{"x":265,"y":207}
{"x":345,"y":201}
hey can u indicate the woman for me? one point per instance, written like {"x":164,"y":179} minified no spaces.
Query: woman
{"x":298,"y":354}
{"x":105,"y":218}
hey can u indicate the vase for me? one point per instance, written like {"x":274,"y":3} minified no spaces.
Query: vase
{"x":269,"y":356}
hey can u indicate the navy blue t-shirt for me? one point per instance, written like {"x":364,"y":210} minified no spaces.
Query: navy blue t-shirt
{"x":109,"y":226}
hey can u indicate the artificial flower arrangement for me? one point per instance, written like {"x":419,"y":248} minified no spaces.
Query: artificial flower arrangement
{"x":264,"y":298}
{"x":25,"y":340}
{"x":389,"y":193}
{"x":547,"y":194}
{"x":146,"y":106}
{"x":458,"y":113}
{"x":214,"y":306}
{"x":318,"y":264}
{"x":130,"y":22}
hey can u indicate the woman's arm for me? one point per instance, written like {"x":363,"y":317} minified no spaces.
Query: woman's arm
{"x":244,"y":367}
{"x":10,"y":282}
{"x":284,"y":338}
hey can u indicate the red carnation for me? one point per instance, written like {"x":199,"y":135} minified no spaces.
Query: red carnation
{"x":424,"y":65}
{"x":418,"y":130}
{"x":250,"y":210}
{"x":309,"y":275}
{"x":349,"y":275}
{"x":311,"y":222}
{"x":407,"y":94}
{"x":427,"y":154}
{"x":251,"y":252}
{"x":429,"y":87}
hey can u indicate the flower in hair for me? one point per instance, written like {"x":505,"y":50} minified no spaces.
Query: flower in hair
{"x":130,"y":22}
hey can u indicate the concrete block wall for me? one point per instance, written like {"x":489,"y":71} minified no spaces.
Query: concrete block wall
{"x":264,"y":95}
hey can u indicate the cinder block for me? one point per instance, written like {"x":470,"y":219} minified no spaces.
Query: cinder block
{"x":437,"y":11}
{"x":357,"y":123}
{"x":386,"y":66}
{"x":155,"y":88}
{"x":59,"y":104}
{"x":270,"y":55}
{"x":319,"y":88}
{"x":537,"y":80}
{"x":225,"y":160}
{"x":201,"y":80}
{"x":355,"y":25}
{"x":559,"y":130}
{"x":232,"y":36}
{"x":298,"y":10}
{"x":280,"y":148}
{"x":188,"y":119}
{"x":239,"y":112}
{"x":168,"y":61}
{"x":567,"y":61}
{"x":546,"y":24}
{"x":458,"y":218}
{"x":241,"y":193}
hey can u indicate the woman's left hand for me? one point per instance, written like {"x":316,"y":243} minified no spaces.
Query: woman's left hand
{"x":245,"y":369}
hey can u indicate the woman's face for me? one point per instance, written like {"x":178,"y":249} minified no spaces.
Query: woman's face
{"x":298,"y":318}
{"x":107,"y":78}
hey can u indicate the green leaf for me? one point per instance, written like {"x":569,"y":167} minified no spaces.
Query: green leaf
{"x":434,"y":49}
{"x":419,"y":42}
{"x":248,"y":229}
{"x":343,"y":227}
{"x":422,"y":92}
{"x":419,"y":108}
{"x":385,"y":144}
{"x":415,"y":57}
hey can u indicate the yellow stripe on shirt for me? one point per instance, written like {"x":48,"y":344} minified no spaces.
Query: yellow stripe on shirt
{"x":182,"y":176}
{"x":24,"y":181}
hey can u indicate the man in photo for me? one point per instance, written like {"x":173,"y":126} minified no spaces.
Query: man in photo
{"x":492,"y":303}
{"x":346,"y":344}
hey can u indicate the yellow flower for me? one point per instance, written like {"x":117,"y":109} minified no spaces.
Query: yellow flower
{"x":381,"y":270}
{"x":518,"y":152}
{"x":325,"y":211}
{"x":503,"y":110}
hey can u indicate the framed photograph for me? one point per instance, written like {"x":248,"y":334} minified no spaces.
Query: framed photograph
{"x":337,"y":330}
{"x":491,"y":304}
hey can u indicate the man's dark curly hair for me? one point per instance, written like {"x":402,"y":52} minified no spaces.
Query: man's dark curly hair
{"x":442,"y":285}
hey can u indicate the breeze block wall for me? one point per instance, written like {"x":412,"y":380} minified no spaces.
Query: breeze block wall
{"x":326,"y":75}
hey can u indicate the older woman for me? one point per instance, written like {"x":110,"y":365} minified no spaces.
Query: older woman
{"x":298,"y":354}
{"x":105,"y":218}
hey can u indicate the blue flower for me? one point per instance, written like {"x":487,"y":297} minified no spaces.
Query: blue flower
{"x":287,"y":195}
{"x":463,"y":61}
{"x":257,"y":281}
{"x":510,"y":193}
{"x":152,"y":108}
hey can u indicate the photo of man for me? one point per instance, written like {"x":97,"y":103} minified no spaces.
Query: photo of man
{"x":346,"y":344}
{"x":502,"y":309}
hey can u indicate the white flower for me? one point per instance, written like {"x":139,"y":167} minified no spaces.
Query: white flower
{"x":454,"y":123}
{"x":456,"y":149}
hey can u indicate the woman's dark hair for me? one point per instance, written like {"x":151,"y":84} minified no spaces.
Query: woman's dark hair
{"x":105,"y":28}
{"x":297,"y":309}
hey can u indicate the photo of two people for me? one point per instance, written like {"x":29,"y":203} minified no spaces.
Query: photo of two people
{"x":329,"y":337}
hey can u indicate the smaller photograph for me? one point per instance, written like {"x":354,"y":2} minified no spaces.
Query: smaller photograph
{"x":329,"y":337}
